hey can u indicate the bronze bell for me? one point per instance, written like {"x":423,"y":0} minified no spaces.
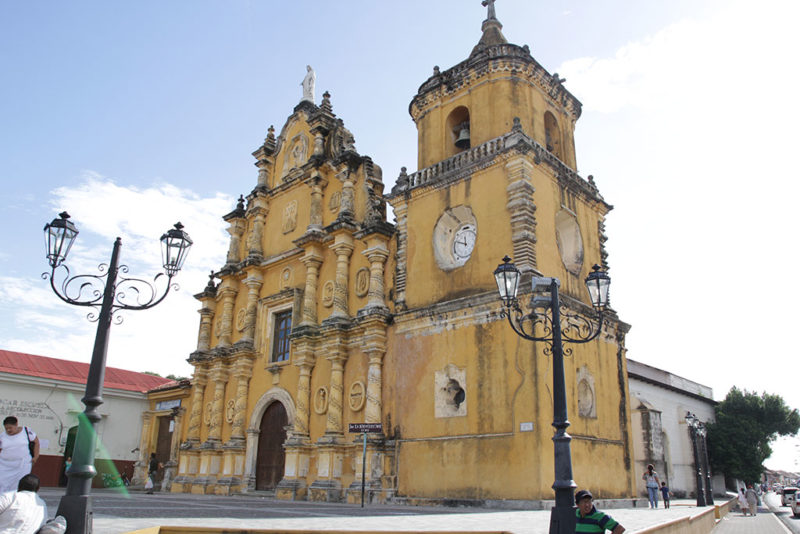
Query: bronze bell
{"x":462,"y":141}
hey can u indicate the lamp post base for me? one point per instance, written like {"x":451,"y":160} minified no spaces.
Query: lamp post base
{"x":77,"y":510}
{"x":562,"y":520}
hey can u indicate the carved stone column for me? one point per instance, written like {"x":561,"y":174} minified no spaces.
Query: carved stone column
{"x":171,"y":466}
{"x":298,"y":445}
{"x":140,"y":469}
{"x":312,"y":262}
{"x":375,"y":348}
{"x":337,"y":355}
{"x":258,"y":214}
{"x":206,"y":320}
{"x":347,"y":205}
{"x":236,"y":231}
{"x":317,"y":183}
{"x":219,"y":377}
{"x":401,"y":214}
{"x":377,"y":256}
{"x":343,"y":247}
{"x":196,"y":415}
{"x":523,"y":213}
{"x":304,"y":359}
{"x":253,"y":283}
{"x":228,"y":295}
{"x":242,"y":370}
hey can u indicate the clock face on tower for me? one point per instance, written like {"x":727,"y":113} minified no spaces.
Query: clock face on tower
{"x":464,"y":242}
{"x":454,"y":237}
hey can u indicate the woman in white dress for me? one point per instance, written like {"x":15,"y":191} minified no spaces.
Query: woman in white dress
{"x":16,"y":459}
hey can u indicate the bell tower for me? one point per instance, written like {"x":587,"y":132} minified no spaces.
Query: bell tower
{"x":496,"y":176}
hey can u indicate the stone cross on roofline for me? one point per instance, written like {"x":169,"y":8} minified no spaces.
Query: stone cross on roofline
{"x":490,"y":5}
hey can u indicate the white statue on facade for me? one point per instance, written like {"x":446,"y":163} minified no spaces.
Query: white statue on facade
{"x":308,"y":84}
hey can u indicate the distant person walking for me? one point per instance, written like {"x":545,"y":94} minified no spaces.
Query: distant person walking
{"x":743,"y":502}
{"x":650,"y":478}
{"x":152,"y":471}
{"x":665,"y":494}
{"x":19,"y":450}
{"x":752,"y":499}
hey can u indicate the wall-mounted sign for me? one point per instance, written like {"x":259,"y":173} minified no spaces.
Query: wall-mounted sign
{"x":168,"y":404}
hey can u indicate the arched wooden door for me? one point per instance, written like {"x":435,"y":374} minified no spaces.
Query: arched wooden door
{"x":270,"y":458}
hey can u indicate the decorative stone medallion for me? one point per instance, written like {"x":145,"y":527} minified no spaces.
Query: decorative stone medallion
{"x":286,"y":278}
{"x":569,"y":241}
{"x":335,"y":201}
{"x":362,"y":282}
{"x":321,"y":400}
{"x":289,"y":217}
{"x":327,"y":294}
{"x":587,"y":407}
{"x":229,"y":410}
{"x":357,"y":395}
{"x":240,"y":319}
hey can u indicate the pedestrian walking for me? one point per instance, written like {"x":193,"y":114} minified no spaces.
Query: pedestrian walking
{"x":588,"y":519}
{"x":652,"y":483}
{"x":665,"y":494}
{"x":19,"y":450}
{"x":752,"y":499}
{"x":743,"y":502}
{"x":152,"y":471}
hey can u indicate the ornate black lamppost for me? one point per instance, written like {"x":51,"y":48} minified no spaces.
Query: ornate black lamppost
{"x":694,"y":425}
{"x":577,"y":329}
{"x":703,"y":432}
{"x":106,"y":294}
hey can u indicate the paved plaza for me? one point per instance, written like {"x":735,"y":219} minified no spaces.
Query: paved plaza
{"x":117,"y":513}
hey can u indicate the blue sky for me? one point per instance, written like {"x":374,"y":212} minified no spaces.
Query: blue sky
{"x":134,"y":115}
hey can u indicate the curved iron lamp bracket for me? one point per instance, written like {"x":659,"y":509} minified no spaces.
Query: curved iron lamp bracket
{"x":88,"y":289}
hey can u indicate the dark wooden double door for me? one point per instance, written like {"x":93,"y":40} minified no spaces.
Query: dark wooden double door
{"x":270,"y":457}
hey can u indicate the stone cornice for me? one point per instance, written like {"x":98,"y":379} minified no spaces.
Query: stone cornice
{"x":485,"y":155}
{"x":506,"y":57}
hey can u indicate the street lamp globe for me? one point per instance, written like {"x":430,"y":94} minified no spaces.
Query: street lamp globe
{"x":175,"y":245}
{"x":58,"y":238}
{"x":507,"y":277}
{"x":597,"y":283}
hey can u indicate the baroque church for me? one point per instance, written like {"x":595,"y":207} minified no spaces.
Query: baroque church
{"x":327,"y":314}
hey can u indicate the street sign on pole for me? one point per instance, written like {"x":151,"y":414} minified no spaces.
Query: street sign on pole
{"x":364,"y":428}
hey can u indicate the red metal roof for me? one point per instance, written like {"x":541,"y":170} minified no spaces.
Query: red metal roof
{"x":18,"y":363}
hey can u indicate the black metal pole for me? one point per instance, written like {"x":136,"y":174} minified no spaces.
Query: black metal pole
{"x":707,"y":467}
{"x":562,"y":515}
{"x":700,"y":499}
{"x":76,"y":505}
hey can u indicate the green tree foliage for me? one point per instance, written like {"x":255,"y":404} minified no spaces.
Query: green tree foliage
{"x":746,"y":423}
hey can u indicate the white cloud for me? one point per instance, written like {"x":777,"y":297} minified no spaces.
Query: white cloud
{"x":157,"y":339}
{"x":695,"y":123}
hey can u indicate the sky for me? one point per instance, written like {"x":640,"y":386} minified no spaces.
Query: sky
{"x":134,"y":115}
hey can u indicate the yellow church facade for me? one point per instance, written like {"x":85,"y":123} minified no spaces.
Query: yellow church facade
{"x":326,"y":314}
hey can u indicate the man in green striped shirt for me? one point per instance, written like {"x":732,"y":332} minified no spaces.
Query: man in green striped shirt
{"x":588,"y":519}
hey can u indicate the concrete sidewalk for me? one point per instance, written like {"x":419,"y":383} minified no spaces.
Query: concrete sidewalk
{"x":764,"y":522}
{"x":116,"y":514}
{"x":518,"y":522}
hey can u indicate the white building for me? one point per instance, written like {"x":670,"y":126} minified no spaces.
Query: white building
{"x":660,"y":401}
{"x":45,"y":395}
